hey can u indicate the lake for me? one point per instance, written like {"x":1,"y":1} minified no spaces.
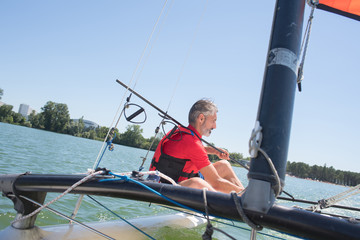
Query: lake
{"x":25,"y":149}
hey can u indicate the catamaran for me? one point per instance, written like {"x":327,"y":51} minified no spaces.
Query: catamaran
{"x":257,"y":205}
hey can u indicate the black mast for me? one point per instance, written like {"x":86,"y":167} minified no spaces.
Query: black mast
{"x":275,"y":111}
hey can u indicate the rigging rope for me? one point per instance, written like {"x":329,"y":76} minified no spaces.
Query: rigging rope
{"x":147,"y":45}
{"x":152,"y":143}
{"x":178,"y":80}
{"x":156,"y":173}
{"x":188,"y":53}
{"x":132,"y":225}
{"x":68,"y":218}
{"x":242,"y":213}
{"x":227,"y":224}
{"x":108,"y":135}
{"x":209,"y":227}
{"x":88,"y":177}
{"x":305,"y":42}
{"x":126,"y":178}
{"x":325,"y":203}
{"x":98,"y":159}
{"x":254,"y":147}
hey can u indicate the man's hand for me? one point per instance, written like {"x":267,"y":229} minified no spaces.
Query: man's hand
{"x":223,"y":155}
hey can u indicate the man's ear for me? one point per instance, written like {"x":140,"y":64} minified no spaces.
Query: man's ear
{"x":201,"y":118}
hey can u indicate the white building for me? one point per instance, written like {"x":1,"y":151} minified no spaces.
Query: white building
{"x":88,"y":123}
{"x":25,"y":110}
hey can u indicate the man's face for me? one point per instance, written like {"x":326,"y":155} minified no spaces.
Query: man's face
{"x":208,"y":125}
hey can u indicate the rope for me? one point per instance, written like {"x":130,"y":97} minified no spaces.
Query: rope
{"x":61,"y":195}
{"x":156,"y":172}
{"x":304,"y":44}
{"x":127,"y":179}
{"x":209,"y":228}
{"x":131,"y":80}
{"x":254,"y":147}
{"x":188,"y":54}
{"x":227,"y":224}
{"x":152,"y":143}
{"x":325,"y":203}
{"x":178,"y":79}
{"x":68,"y":218}
{"x":277,"y":178}
{"x":242,"y":213}
{"x":110,"y":146}
{"x":132,"y":225}
{"x":147,"y":43}
{"x":102,"y":149}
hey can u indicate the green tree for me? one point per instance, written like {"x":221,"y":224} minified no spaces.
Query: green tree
{"x":6,"y":113}
{"x":92,"y":134}
{"x":236,"y":156}
{"x":56,"y":116}
{"x":48,"y":112}
{"x":18,"y":118}
{"x":101,"y":132}
{"x":75,"y":127}
{"x":132,"y":137}
{"x":154,"y":141}
{"x":1,"y":93}
{"x":36,"y":120}
{"x":62,"y":117}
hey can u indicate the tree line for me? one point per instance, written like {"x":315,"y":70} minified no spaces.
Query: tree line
{"x":323,"y":173}
{"x":55,"y":117}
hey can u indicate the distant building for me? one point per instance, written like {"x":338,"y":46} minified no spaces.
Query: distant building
{"x":25,"y":110}
{"x":88,"y":123}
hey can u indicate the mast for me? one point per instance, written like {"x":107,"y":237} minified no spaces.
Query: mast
{"x":273,"y":122}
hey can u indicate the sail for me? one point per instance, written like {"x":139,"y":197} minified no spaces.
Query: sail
{"x":347,"y":8}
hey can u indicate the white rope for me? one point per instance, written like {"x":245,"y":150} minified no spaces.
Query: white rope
{"x":61,"y":195}
{"x":154,"y":41}
{"x":151,"y":173}
{"x":152,"y":143}
{"x":179,"y":76}
{"x":131,"y":80}
{"x":69,"y":218}
{"x":91,"y":175}
{"x":325,"y":203}
{"x":188,"y":54}
{"x":346,"y":194}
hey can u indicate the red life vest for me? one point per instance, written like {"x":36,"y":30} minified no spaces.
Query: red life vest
{"x":172,"y":166}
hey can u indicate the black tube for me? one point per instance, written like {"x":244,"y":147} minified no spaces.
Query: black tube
{"x":290,"y":220}
{"x":278,"y":90}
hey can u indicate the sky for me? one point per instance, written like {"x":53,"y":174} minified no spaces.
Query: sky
{"x":72,"y":52}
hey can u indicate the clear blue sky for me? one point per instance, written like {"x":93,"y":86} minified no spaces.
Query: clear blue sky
{"x":73,"y":51}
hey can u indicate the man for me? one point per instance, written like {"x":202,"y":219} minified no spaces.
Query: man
{"x":182,"y":156}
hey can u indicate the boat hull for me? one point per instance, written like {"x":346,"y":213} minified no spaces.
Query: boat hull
{"x":114,"y":229}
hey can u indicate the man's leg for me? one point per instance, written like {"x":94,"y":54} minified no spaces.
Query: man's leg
{"x":198,"y":183}
{"x":225,"y":171}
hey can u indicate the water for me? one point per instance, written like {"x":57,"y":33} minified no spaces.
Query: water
{"x":30,"y":150}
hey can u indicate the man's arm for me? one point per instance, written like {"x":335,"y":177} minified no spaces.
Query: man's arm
{"x":218,"y":183}
{"x":224,"y":155}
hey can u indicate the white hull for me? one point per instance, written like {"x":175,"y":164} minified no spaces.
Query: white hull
{"x":114,"y":229}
